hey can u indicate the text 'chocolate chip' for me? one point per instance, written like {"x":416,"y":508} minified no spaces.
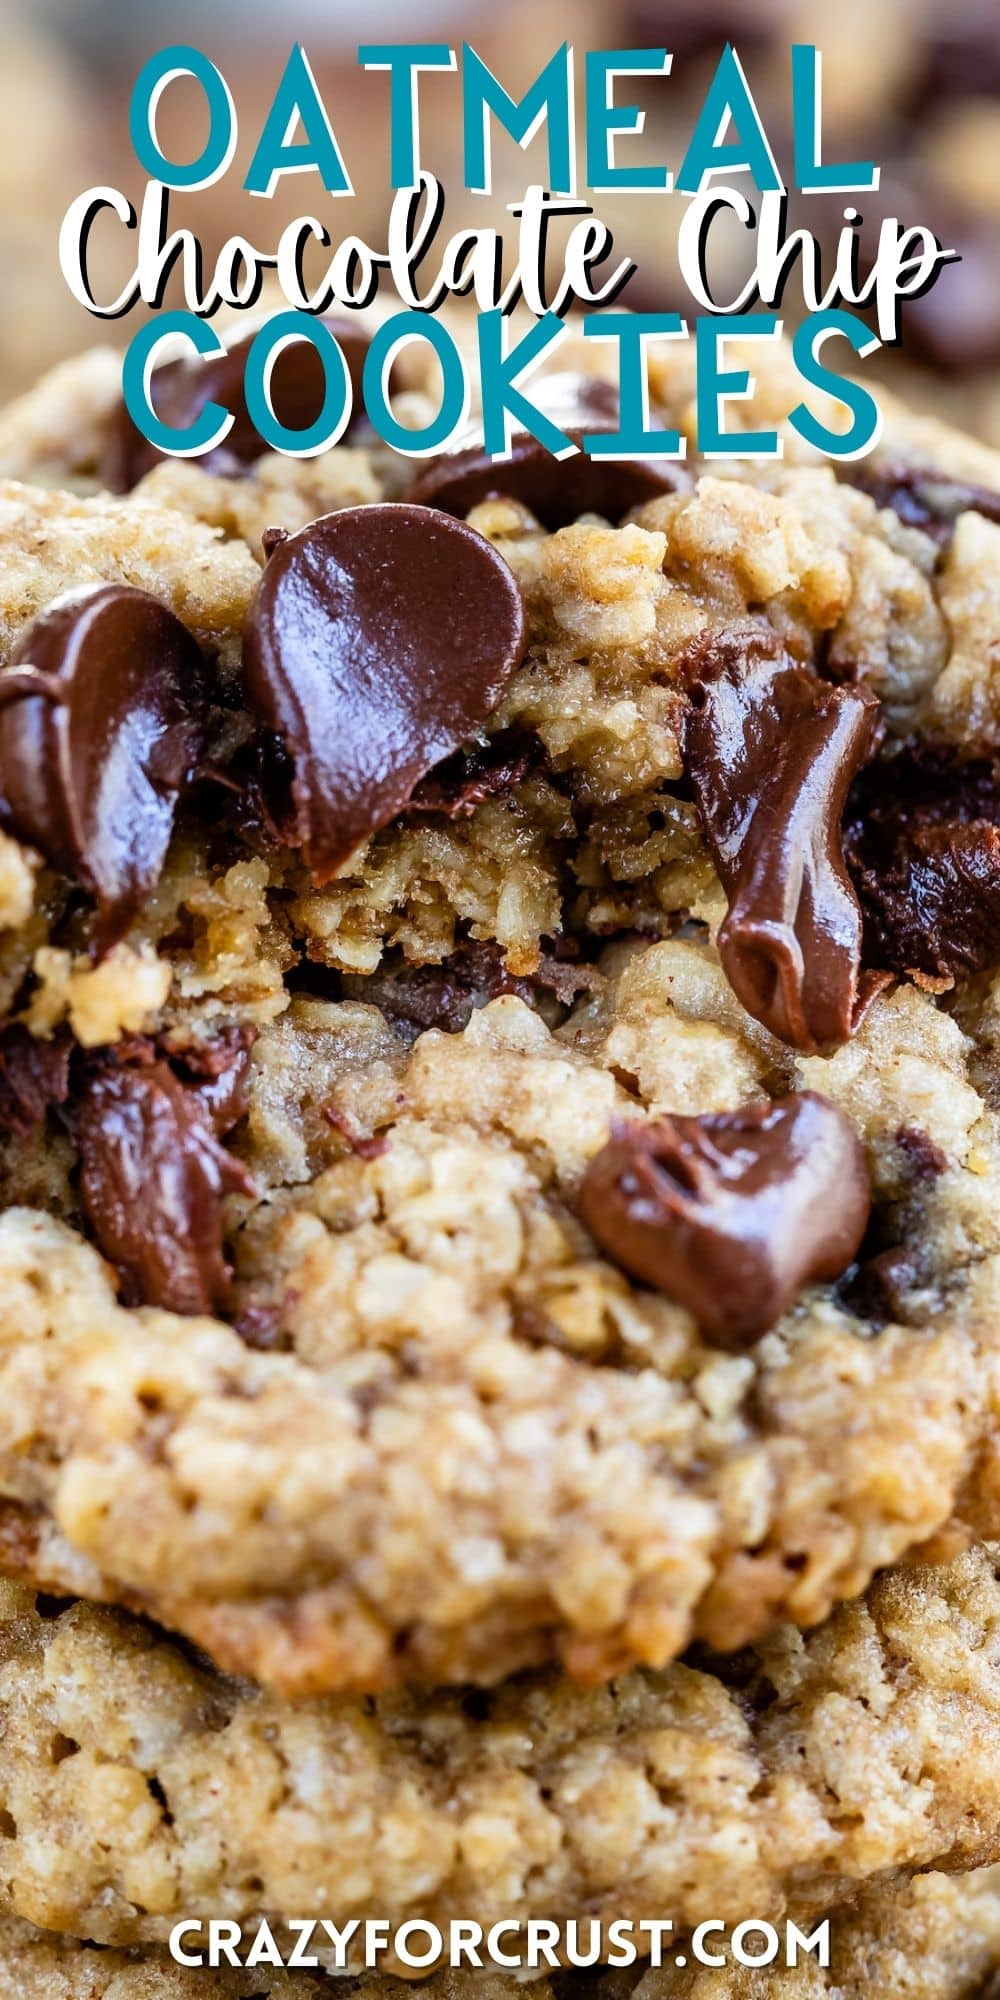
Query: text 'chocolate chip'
{"x":100,"y":725}
{"x":729,"y":1215}
{"x":379,"y":640}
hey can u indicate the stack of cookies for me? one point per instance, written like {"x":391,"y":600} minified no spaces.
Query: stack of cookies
{"x":499,"y":1204}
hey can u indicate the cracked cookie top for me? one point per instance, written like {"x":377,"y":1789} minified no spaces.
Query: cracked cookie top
{"x":139,"y":1786}
{"x":498,"y":1090}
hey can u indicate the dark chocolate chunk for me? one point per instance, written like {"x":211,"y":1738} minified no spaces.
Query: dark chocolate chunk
{"x":180,"y":390}
{"x":487,"y":771}
{"x":153,"y":1178}
{"x":379,"y":640}
{"x":880,"y":1287}
{"x":557,"y":490}
{"x":730,"y":1215}
{"x":934,"y":910}
{"x":771,"y":751}
{"x":219,"y":1069}
{"x":34,"y":1075}
{"x":414,"y":998}
{"x":923,"y":1154}
{"x":922,"y":838}
{"x":923,"y":498}
{"x":925,"y":783}
{"x":100,"y":727}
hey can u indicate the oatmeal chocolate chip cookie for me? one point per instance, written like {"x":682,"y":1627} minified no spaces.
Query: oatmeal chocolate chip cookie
{"x":137,"y":1785}
{"x":444,"y":1436}
{"x":596,"y":828}
{"x":464,"y":1406}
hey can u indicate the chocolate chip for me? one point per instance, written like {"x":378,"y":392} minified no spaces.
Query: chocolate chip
{"x":99,"y":729}
{"x":922,"y":837}
{"x":935,"y":911}
{"x":180,"y":390}
{"x":379,"y":640}
{"x":220,"y":1071}
{"x":556,"y":490}
{"x":414,"y":998}
{"x":924,"y":1156}
{"x":880,"y":1289}
{"x":487,"y":771}
{"x":272,"y":539}
{"x":923,"y":498}
{"x":730,"y":1215}
{"x":34,"y":1075}
{"x":771,"y":751}
{"x":153,"y":1179}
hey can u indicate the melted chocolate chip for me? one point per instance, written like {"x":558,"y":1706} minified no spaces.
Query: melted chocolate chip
{"x":924,"y":784}
{"x":925,"y":1157}
{"x":934,"y":912}
{"x":556,"y":490}
{"x":923,"y":499}
{"x":99,"y":729}
{"x":487,"y":771}
{"x":731,"y":1215}
{"x":34,"y":1075}
{"x":880,"y":1288}
{"x":922,"y":838}
{"x":154,"y":1176}
{"x":180,"y":390}
{"x":414,"y":998}
{"x":771,"y":751}
{"x":379,"y":641}
{"x":219,"y":1070}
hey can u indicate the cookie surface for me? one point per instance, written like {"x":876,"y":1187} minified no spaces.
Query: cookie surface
{"x":139,"y":1786}
{"x":437,"y":1429}
{"x":935,"y":1938}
